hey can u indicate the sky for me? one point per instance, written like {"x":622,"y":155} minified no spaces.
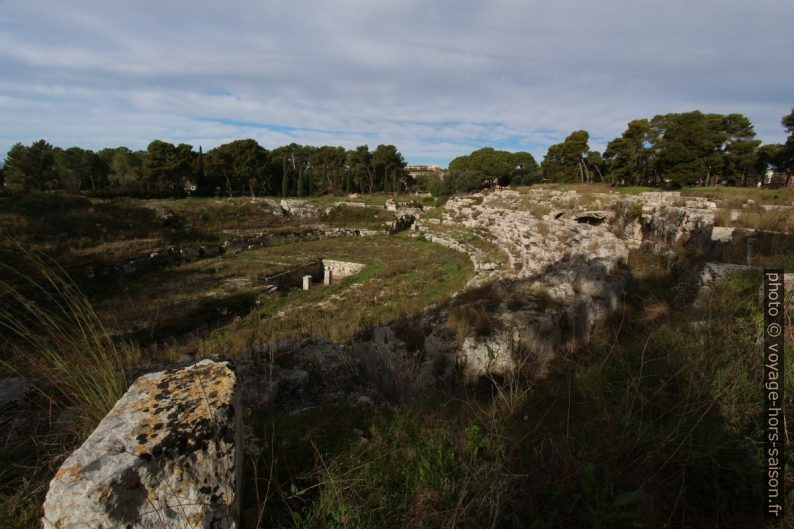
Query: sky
{"x":438,"y":79}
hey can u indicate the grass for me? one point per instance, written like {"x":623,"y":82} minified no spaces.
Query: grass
{"x":143,"y":304}
{"x":351,"y":216}
{"x":78,"y":231}
{"x":54,"y":339}
{"x":757,"y":218}
{"x":477,"y":238}
{"x":655,"y":423}
{"x":737,"y":195}
{"x":220,"y":305}
{"x":597,"y":188}
{"x":402,"y":277}
{"x":469,"y":320}
{"x":435,"y":212}
{"x":57,"y":337}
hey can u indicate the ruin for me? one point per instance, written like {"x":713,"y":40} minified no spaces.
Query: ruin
{"x":326,"y":271}
{"x":565,"y":273}
{"x":337,"y":270}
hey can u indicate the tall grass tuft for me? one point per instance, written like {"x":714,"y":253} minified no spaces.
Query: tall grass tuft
{"x":58,"y":341}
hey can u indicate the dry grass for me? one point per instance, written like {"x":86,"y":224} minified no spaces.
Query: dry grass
{"x":470,"y":320}
{"x":735,"y":196}
{"x":538,"y":210}
{"x":52,"y":338}
{"x":56,"y":337}
{"x":478,"y":238}
{"x":757,"y":218}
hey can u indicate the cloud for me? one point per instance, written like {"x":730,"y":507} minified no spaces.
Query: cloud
{"x":437,"y":79}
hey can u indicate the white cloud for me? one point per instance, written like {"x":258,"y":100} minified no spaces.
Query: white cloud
{"x":436,"y":79}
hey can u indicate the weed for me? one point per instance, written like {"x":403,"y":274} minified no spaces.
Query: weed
{"x":470,"y":320}
{"x":59,"y":338}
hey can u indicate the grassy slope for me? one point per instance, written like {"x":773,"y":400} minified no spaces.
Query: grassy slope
{"x":656,"y":422}
{"x":76,"y":229}
{"x":172,"y":301}
{"x":781,"y":197}
{"x":403,"y":276}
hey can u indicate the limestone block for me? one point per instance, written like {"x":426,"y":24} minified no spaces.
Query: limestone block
{"x":307,"y":282}
{"x":491,"y":355}
{"x":713,"y":271}
{"x":167,"y":455}
{"x":340,"y":269}
{"x":720,"y":234}
{"x":327,"y":277}
{"x":298,"y":208}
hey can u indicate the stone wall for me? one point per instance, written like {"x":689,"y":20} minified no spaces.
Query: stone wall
{"x":294,"y":278}
{"x":340,"y":269}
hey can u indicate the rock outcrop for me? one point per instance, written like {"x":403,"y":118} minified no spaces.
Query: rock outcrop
{"x":298,"y":208}
{"x":165,"y":456}
{"x":572,"y":248}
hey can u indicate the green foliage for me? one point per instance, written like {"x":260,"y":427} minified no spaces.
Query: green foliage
{"x":79,"y":169}
{"x":784,"y":160}
{"x":388,"y":167}
{"x":167,"y":169}
{"x":566,"y":161}
{"x":683,"y":149}
{"x":491,"y":165}
{"x":125,"y":169}
{"x":29,"y":168}
{"x":241,"y":167}
{"x":237,"y":168}
{"x":628,"y":156}
{"x":442,"y":188}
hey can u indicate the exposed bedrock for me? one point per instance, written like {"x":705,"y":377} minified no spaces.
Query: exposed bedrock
{"x":570,"y":249}
{"x":166,"y":455}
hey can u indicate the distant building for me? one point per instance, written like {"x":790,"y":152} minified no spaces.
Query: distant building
{"x":420,"y":171}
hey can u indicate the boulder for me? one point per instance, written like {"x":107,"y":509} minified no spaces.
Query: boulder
{"x":190,"y":254}
{"x":492,"y":355}
{"x":298,"y":208}
{"x":166,"y":455}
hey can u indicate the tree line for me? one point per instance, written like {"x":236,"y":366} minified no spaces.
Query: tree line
{"x":674,"y":150}
{"x":668,"y":150}
{"x":241,"y":167}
